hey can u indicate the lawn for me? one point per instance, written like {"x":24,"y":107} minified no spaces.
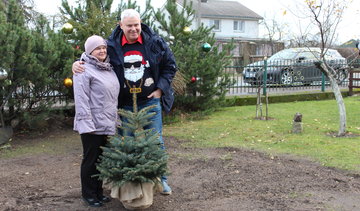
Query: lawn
{"x":237,"y":127}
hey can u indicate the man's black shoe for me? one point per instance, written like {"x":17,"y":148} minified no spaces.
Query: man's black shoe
{"x":92,"y":202}
{"x":104,"y":199}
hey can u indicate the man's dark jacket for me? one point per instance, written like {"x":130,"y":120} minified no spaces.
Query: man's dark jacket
{"x":161,"y":59}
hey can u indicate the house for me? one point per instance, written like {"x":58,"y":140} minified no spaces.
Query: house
{"x":349,"y":44}
{"x":232,"y":20}
{"x":349,"y":51}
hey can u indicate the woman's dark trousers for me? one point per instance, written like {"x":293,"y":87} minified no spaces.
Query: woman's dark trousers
{"x":91,"y":187}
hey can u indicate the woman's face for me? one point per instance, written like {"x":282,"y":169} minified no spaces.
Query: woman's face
{"x":100,"y":53}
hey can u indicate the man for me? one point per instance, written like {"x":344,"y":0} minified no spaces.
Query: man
{"x":144,"y":64}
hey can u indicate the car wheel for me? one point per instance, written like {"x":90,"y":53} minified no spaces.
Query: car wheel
{"x":286,"y":77}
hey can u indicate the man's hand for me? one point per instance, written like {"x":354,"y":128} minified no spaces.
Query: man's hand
{"x":155,"y":94}
{"x":78,"y":67}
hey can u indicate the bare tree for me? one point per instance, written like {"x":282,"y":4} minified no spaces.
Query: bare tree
{"x":326,"y":16}
{"x":274,"y":31}
{"x":303,"y":39}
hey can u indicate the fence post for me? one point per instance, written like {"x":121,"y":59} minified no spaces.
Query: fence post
{"x":322,"y":82}
{"x":265,"y":77}
{"x":351,"y":77}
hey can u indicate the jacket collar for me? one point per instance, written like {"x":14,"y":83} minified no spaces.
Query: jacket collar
{"x":114,"y":38}
{"x":125,"y":41}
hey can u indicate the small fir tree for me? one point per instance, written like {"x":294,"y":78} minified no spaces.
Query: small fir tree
{"x":136,"y":157}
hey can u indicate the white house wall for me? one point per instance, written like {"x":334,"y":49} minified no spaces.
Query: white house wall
{"x":227,"y":30}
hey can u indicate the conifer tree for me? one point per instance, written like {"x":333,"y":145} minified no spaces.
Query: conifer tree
{"x":34,"y":62}
{"x":54,"y":56}
{"x":96,"y":17}
{"x":135,"y":156}
{"x":18,"y":60}
{"x":205,"y":79}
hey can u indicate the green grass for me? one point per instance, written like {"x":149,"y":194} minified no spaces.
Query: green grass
{"x":237,"y":127}
{"x":50,"y":144}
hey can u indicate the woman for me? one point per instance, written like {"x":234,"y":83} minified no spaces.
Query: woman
{"x":96,"y":92}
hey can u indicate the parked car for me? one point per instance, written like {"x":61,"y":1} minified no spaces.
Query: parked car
{"x":295,"y":65}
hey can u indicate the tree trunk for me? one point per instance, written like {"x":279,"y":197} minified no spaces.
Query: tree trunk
{"x":341,"y":106}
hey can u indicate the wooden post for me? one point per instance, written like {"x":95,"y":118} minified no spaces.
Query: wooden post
{"x":267,"y":105}
{"x":351,"y":73}
{"x":258,"y":102}
{"x":245,"y":49}
{"x":353,"y":78}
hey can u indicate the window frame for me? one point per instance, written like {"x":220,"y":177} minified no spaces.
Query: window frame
{"x":239,"y":29}
{"x":212,"y":23}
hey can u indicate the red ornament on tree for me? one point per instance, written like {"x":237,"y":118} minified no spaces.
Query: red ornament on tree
{"x":193,"y":79}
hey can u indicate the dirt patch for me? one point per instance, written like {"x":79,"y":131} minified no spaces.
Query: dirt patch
{"x":202,"y":179}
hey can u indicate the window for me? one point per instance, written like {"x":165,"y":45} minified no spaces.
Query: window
{"x":216,"y":24}
{"x":239,"y":26}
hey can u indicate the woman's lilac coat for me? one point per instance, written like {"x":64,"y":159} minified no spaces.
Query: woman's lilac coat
{"x":96,"y":94}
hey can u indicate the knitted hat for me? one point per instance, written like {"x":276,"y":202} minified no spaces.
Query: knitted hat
{"x":93,"y":42}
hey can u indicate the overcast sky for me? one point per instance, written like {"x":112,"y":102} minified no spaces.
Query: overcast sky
{"x":271,"y":9}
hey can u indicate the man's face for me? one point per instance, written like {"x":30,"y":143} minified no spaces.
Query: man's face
{"x":132,"y":28}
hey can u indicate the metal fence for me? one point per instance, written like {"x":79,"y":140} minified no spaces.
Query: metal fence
{"x":286,"y":77}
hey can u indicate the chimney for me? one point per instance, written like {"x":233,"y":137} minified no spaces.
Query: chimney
{"x":203,"y":1}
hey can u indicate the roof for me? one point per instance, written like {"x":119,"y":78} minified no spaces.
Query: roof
{"x":223,"y":9}
{"x":349,"y":44}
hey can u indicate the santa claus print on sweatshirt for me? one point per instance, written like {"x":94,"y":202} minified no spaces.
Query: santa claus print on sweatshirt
{"x":138,"y":78}
{"x":134,"y":65}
